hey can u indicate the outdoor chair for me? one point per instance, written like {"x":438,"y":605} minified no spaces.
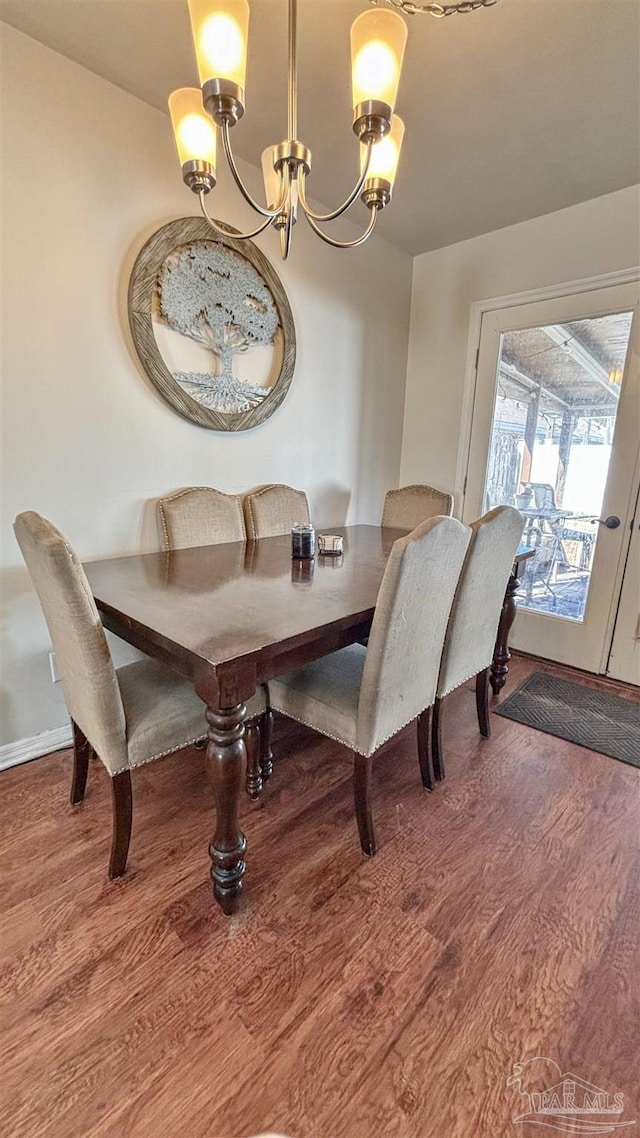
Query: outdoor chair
{"x":142,"y":711}
{"x":360,"y":696}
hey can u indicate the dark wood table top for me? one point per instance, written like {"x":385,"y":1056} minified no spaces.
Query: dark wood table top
{"x":234,"y":615}
{"x":248,"y":606}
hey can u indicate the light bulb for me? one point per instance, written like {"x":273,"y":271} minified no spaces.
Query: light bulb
{"x":378,"y":39}
{"x":195,"y":137}
{"x":385,"y":154}
{"x":220,"y":29}
{"x":221,"y":44}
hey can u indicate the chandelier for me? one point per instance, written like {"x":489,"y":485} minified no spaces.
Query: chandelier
{"x":378,"y":39}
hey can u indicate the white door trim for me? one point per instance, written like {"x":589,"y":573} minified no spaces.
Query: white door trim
{"x":492,"y":304}
{"x":628,"y":521}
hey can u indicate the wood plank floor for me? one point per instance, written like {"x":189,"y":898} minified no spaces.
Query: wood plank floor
{"x":349,"y":997}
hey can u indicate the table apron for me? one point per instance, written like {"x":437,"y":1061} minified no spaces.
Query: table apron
{"x":234,"y":681}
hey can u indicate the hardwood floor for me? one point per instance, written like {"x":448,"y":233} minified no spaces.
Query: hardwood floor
{"x":349,"y":997}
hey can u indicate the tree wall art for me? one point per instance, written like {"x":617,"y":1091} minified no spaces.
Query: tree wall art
{"x":211,"y":325}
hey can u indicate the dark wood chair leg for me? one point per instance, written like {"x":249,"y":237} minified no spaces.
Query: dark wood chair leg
{"x":266,"y":754}
{"x":482,"y":702}
{"x":82,"y":751}
{"x":425,"y":749}
{"x":122,"y":813}
{"x":362,"y":795}
{"x":436,"y":741}
{"x":253,"y":742}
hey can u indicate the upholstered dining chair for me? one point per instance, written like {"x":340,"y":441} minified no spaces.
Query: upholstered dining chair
{"x":362,"y":696}
{"x":410,"y":505}
{"x":273,"y":510}
{"x":200,"y":515}
{"x":475,"y":615}
{"x":127,"y":717}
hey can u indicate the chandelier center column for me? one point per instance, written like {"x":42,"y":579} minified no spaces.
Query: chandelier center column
{"x":292,"y":93}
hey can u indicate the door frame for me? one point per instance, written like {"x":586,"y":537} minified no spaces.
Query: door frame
{"x":479,"y":310}
{"x":493,"y":304}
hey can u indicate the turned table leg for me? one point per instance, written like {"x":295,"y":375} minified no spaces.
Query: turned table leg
{"x":253,"y":744}
{"x":226,"y":764}
{"x":501,"y":653}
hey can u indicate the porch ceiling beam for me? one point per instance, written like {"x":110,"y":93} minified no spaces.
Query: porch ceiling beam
{"x":511,"y":372}
{"x":564,"y":337}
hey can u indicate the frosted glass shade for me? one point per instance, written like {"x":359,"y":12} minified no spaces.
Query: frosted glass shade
{"x":385,"y":155}
{"x":378,"y":39}
{"x":193,"y":130}
{"x":220,"y":29}
{"x":271,"y":178}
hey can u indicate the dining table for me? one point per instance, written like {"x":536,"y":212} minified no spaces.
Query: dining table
{"x":230,"y":617}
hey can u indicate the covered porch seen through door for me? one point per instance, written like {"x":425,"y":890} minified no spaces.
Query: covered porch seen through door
{"x":558,"y":387}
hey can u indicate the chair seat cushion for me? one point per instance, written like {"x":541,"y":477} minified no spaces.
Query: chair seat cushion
{"x":324,"y":694}
{"x":163,"y":712}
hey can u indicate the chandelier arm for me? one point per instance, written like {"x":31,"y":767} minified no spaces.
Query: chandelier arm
{"x":344,"y":244}
{"x":286,"y":234}
{"x":225,"y":232}
{"x":270,"y":213}
{"x":346,"y":204}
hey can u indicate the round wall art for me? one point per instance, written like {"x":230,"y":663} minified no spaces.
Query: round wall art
{"x":212,"y":325}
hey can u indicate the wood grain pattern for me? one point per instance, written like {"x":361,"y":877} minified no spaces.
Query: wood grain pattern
{"x":348,"y":997}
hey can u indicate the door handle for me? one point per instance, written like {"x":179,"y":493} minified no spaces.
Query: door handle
{"x":612,"y":522}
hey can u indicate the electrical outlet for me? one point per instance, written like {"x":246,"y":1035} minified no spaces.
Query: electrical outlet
{"x":55,"y":675}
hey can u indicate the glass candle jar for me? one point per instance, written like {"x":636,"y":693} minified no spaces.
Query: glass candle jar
{"x":303,"y":542}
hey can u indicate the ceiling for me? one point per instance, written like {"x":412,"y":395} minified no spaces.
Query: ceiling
{"x":571,"y":363}
{"x":511,"y":111}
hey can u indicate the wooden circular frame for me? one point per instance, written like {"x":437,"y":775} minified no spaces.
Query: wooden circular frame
{"x":142,"y":285}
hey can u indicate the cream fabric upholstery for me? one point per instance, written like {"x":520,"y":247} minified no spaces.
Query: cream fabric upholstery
{"x":364,"y":696}
{"x":475,"y":615}
{"x":200,"y":515}
{"x":407,"y":507}
{"x":130,"y":716}
{"x":162,"y":711}
{"x":274,"y":510}
{"x":89,"y":681}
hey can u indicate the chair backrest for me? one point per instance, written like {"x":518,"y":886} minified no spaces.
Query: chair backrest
{"x":475,"y":615}
{"x":89,"y":680}
{"x":410,"y":505}
{"x":408,"y":628}
{"x":200,"y":515}
{"x":274,"y":510}
{"x":544,"y":495}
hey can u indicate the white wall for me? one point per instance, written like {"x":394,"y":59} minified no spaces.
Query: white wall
{"x":90,"y":173}
{"x":598,"y":236}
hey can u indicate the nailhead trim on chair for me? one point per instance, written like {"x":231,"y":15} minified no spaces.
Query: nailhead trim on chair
{"x":344,"y":742}
{"x":181,"y":494}
{"x":160,"y":755}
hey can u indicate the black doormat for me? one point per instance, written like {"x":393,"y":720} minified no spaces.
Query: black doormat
{"x":587,"y":716}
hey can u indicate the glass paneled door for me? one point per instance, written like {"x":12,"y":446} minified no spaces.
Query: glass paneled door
{"x":555,"y":432}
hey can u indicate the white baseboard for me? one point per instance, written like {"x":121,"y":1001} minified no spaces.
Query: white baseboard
{"x":12,"y":754}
